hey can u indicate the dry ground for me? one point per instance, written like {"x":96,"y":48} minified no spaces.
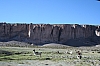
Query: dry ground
{"x":23,"y":56}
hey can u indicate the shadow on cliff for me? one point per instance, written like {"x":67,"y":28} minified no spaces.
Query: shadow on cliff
{"x":91,"y":41}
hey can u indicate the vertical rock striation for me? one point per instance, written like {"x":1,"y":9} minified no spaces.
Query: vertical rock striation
{"x":46,"y":33}
{"x":9,"y":31}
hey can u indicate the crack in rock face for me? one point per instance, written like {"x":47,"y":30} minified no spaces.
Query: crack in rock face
{"x":47,"y":33}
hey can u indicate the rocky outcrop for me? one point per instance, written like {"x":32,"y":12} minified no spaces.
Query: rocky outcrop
{"x":9,"y":31}
{"x":47,"y":33}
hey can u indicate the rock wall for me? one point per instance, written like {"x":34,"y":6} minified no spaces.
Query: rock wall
{"x":46,"y":33}
{"x":11,"y":31}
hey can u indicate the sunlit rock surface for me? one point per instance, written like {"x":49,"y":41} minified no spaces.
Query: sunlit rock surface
{"x":50,"y":33}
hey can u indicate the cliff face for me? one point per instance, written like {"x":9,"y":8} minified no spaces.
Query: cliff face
{"x":9,"y":31}
{"x":47,"y":33}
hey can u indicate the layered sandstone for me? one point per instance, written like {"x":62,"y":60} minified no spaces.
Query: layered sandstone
{"x":47,"y":33}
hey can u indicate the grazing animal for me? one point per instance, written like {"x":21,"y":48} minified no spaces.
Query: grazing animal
{"x":79,"y":56}
{"x":79,"y":53}
{"x":69,"y":52}
{"x":58,"y":52}
{"x":37,"y":53}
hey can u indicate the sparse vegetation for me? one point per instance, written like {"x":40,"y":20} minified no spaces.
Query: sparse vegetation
{"x":24,"y":53}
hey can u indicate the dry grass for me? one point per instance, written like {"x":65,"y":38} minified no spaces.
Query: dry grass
{"x":89,"y":56}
